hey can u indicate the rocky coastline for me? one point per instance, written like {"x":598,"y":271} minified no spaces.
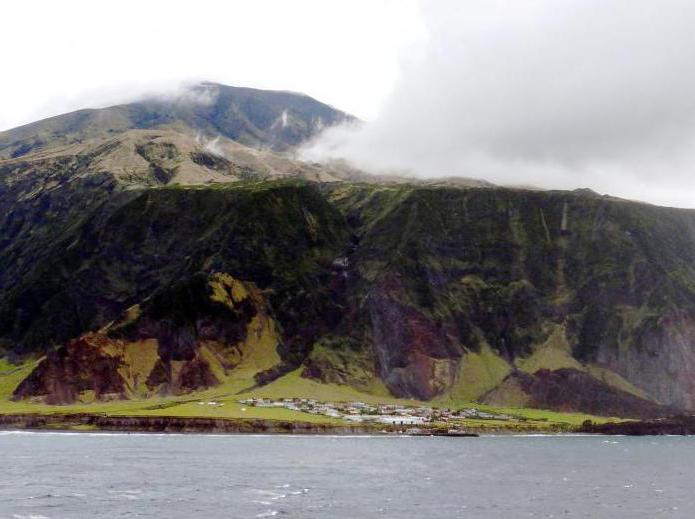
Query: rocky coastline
{"x":169,"y":424}
{"x":676,"y":425}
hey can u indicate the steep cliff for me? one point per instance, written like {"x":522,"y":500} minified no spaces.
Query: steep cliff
{"x":455,"y":290}
{"x":440,"y":292}
{"x":282,"y":237}
{"x":445,"y":291}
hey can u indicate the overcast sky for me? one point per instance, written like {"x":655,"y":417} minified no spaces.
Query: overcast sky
{"x":553,"y":93}
{"x":61,"y":55}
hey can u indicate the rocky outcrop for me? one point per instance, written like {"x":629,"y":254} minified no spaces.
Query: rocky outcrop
{"x":80,"y":367}
{"x":416,"y":356}
{"x":184,"y":338}
{"x":660,"y":358}
{"x":675,"y":425}
{"x":571,"y":390}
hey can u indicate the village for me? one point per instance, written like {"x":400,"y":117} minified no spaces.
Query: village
{"x":389,"y":414}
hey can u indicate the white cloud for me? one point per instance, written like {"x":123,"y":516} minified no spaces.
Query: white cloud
{"x":60,"y":56}
{"x":557,"y":93}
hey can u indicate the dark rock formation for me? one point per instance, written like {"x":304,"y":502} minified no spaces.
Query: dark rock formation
{"x":575,"y":391}
{"x":77,"y":367}
{"x":680,"y":425}
{"x":164,"y":346}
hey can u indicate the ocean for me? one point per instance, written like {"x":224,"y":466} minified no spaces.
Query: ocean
{"x":88,"y":475}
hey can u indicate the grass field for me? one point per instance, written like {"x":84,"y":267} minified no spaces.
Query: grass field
{"x":222,"y":402}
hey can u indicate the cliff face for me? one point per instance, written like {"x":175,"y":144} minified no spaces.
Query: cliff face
{"x":437,"y":290}
{"x":281,"y":236}
{"x":496,"y":295}
{"x":526,"y":281}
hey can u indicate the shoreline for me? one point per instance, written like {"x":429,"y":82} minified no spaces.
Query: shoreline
{"x":88,"y":422}
{"x":94,"y":422}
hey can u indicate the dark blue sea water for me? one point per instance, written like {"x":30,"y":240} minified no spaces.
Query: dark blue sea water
{"x":63,"y":475}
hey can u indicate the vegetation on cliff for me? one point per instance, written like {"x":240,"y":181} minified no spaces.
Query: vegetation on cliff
{"x":146,"y":263}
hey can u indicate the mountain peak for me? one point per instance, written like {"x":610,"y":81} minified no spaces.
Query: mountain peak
{"x":258,"y":118}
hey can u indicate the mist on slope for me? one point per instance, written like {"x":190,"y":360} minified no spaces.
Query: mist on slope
{"x":551,"y":93}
